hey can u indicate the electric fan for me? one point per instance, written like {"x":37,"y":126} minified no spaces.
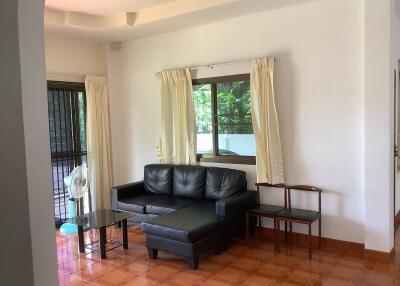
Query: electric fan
{"x":78,"y":184}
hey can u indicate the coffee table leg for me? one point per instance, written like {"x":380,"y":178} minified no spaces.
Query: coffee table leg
{"x":81,"y":239}
{"x":103,"y":240}
{"x":125,"y":233}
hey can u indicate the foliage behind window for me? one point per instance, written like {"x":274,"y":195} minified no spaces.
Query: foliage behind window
{"x":234,"y":107}
{"x":223,"y":116}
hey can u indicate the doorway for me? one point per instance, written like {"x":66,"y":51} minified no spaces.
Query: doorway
{"x":396,"y":161}
{"x":67,"y":126}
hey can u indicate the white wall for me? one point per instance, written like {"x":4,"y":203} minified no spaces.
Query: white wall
{"x":27,"y":237}
{"x":382,"y":51}
{"x":68,"y":58}
{"x":16,"y":257}
{"x":37,"y":142}
{"x":395,"y":57}
{"x":319,"y":91}
{"x":378,"y":127}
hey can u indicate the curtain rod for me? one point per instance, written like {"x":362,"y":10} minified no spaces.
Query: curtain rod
{"x":218,"y":65}
{"x":71,"y":74}
{"x":223,"y":64}
{"x":210,"y":66}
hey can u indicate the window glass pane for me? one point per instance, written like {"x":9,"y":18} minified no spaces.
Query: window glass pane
{"x":235,"y":132}
{"x":202,"y":104}
{"x":232,"y":142}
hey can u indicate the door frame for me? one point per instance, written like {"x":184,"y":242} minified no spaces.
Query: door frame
{"x":396,"y":118}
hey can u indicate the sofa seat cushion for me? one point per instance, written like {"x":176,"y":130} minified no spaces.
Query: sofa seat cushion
{"x":137,"y":203}
{"x":188,"y":224}
{"x":168,"y":204}
{"x":299,"y":214}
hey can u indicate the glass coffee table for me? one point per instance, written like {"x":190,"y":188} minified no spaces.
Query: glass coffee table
{"x":101,"y":219}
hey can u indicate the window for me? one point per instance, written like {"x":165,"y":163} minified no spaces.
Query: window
{"x":67,"y":126}
{"x":223,"y":118}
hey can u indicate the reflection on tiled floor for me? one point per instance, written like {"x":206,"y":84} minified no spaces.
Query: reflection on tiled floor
{"x":246,"y":263}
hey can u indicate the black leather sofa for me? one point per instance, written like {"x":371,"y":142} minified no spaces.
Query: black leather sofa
{"x":187,"y":210}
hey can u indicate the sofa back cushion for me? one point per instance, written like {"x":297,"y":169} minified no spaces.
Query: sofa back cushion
{"x":158,"y":179}
{"x":189,"y":182}
{"x":222,"y":183}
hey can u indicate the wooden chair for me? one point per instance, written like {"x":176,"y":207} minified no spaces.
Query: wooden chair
{"x":294,"y":215}
{"x":265,"y":210}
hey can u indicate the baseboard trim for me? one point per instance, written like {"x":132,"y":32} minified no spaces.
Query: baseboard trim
{"x":331,"y":245}
{"x":378,"y":256}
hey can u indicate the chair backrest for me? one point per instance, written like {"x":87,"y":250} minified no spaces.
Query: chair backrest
{"x":276,"y":186}
{"x":304,"y":188}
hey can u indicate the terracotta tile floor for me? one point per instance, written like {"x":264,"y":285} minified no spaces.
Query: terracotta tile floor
{"x":248,"y":263}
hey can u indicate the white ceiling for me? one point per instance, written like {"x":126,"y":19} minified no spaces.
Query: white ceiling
{"x":105,"y":7}
{"x":119,"y":20}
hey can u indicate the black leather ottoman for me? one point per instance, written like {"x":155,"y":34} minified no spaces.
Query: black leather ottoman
{"x":189,"y":232}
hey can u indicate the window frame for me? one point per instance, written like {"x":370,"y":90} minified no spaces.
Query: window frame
{"x":215,"y":157}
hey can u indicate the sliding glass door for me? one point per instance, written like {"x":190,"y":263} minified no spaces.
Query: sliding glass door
{"x":67,"y":125}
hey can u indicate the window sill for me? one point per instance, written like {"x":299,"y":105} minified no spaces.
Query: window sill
{"x":244,"y":160}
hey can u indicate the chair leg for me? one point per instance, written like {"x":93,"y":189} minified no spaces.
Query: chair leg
{"x":319,"y":233}
{"x":286,"y":233}
{"x":247,"y":225}
{"x":259,"y":226}
{"x":309,"y":241}
{"x":277,"y":232}
{"x":291,"y":231}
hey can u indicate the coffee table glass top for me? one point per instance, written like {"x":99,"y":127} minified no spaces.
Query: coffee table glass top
{"x":100,"y":218}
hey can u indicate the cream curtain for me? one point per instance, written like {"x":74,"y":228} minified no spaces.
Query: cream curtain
{"x":178,"y":124}
{"x":98,"y":141}
{"x":269,"y":157}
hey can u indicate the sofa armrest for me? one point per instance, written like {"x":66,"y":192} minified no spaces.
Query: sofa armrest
{"x":126,"y":191}
{"x":233,"y":209}
{"x":236,"y":203}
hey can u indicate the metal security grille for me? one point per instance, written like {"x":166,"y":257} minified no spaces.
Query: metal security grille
{"x":67,"y":124}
